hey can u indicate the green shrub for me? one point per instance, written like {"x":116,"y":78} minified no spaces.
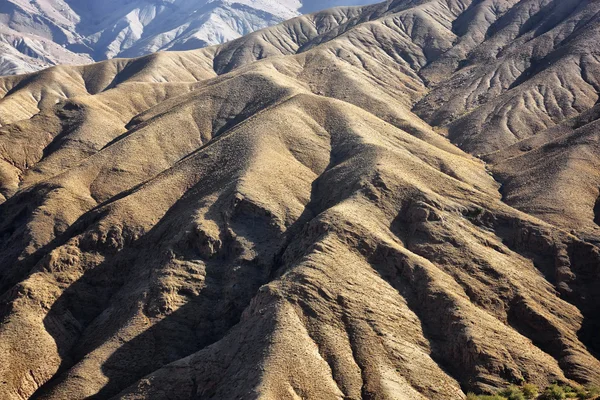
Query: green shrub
{"x":530,"y":391}
{"x":553,"y":392}
{"x":582,"y":394}
{"x":570,"y":392}
{"x":587,"y":393}
{"x":512,"y":393}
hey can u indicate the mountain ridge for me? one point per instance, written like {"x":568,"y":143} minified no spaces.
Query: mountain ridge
{"x":43,"y":33}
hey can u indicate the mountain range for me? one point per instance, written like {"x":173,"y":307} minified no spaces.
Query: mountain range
{"x":394,"y":201}
{"x":39,"y":33}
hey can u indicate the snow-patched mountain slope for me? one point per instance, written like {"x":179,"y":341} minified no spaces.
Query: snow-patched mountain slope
{"x":39,"y":33}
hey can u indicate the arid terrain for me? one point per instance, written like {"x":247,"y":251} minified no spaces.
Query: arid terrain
{"x":35,"y":34}
{"x":399,"y":201}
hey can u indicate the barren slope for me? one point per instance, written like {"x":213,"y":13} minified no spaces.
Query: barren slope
{"x":271,"y":218}
{"x":35,"y":34}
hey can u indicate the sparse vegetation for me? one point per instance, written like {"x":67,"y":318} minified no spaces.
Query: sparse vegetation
{"x":528,"y":391}
{"x":553,"y":392}
{"x":512,"y":393}
{"x":591,"y":392}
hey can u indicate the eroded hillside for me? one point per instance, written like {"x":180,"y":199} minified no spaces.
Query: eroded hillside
{"x":398,"y":201}
{"x":35,"y":34}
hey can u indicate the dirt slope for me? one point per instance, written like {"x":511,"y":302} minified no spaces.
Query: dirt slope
{"x":302,"y":213}
{"x":36,"y":34}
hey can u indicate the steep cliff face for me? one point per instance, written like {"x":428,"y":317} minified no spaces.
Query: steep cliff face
{"x":396,"y":201}
{"x":39,"y":33}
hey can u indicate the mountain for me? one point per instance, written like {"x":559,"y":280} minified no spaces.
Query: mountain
{"x":39,"y":33}
{"x":398,"y":201}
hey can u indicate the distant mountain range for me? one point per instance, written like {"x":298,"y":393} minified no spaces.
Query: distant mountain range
{"x":39,"y":33}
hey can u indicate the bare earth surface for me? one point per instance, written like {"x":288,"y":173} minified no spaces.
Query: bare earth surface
{"x":35,"y":34}
{"x":391,"y":202}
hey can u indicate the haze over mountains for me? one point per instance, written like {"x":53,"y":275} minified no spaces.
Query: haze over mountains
{"x":396,"y":201}
{"x":39,"y":33}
